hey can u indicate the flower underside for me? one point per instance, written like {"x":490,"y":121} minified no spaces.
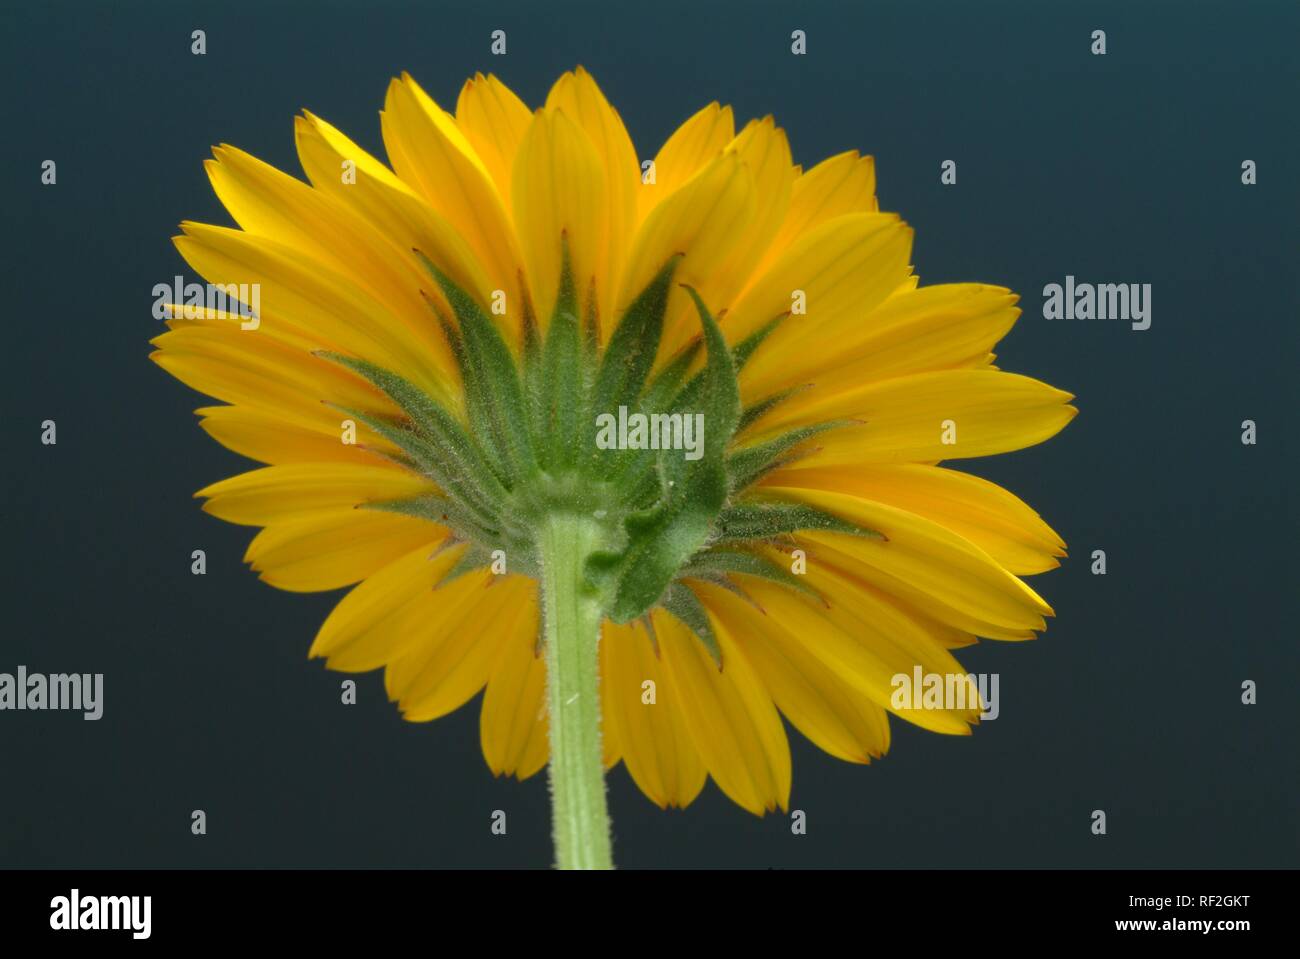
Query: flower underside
{"x":548,"y":490}
{"x":533,"y":452}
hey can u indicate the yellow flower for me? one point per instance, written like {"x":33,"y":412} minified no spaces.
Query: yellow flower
{"x":470,"y":313}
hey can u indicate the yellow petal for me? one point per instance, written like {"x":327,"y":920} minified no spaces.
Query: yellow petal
{"x":962,"y":628}
{"x":270,"y":438}
{"x":655,"y":742}
{"x":276,"y":493}
{"x":730,"y":715}
{"x":845,"y":183}
{"x":946,"y":635}
{"x":703,"y":221}
{"x":913,"y":331}
{"x":982,"y":512}
{"x":269,"y":203}
{"x":393,"y":207}
{"x":909,"y":419}
{"x":577,"y":96}
{"x":838,"y":718}
{"x":932,"y":327}
{"x":921,"y":556}
{"x":844,"y":267}
{"x":558,"y":192}
{"x":764,"y":149}
{"x":430,"y":153}
{"x":493,"y":120}
{"x":692,"y":145}
{"x":455,"y":599}
{"x":342,"y":315}
{"x":241,"y":367}
{"x":335,"y":548}
{"x":394,"y":611}
{"x":865,"y":641}
{"x":512,"y":722}
{"x":455,"y":662}
{"x":272,"y":327}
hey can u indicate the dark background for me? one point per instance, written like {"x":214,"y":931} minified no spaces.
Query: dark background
{"x":1122,"y":168}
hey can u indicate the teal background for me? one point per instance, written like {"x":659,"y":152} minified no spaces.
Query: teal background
{"x":1122,"y":168}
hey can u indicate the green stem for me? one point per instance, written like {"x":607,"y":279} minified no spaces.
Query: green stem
{"x":572,"y":618}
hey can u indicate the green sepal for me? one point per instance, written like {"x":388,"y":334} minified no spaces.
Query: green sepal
{"x":668,"y":380}
{"x":636,"y":471}
{"x":438,"y":443}
{"x":756,"y":411}
{"x":558,"y":398}
{"x":475,"y":557}
{"x":662,"y":538}
{"x":721,"y":391}
{"x":591,"y":334}
{"x":634,"y":344}
{"x":478,"y":402}
{"x":530,"y":342}
{"x":659,"y":541}
{"x":743,"y":350}
{"x":490,"y":376}
{"x":649,"y":623}
{"x":588,"y":370}
{"x":740,"y":354}
{"x":768,"y":520}
{"x":530,"y":355}
{"x":441,"y":510}
{"x":718,"y":564}
{"x":681,"y":602}
{"x":749,"y":464}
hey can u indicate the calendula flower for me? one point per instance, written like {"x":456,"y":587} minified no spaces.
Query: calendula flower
{"x":648,"y":453}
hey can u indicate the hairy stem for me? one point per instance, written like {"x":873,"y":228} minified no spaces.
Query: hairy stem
{"x":571,"y":617}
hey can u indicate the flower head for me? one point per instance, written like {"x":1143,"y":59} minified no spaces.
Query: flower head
{"x":707,"y":392}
